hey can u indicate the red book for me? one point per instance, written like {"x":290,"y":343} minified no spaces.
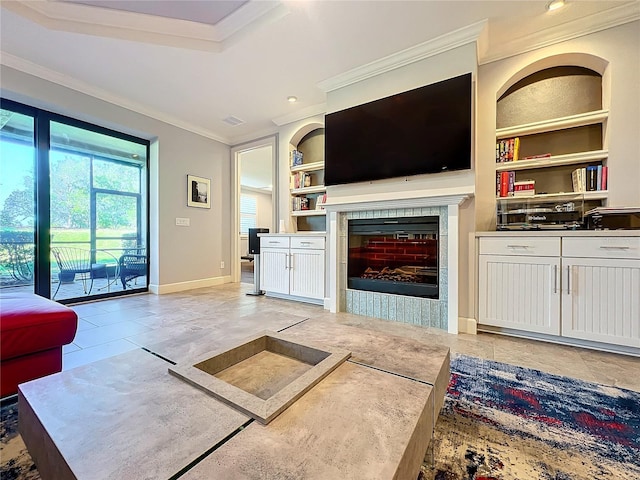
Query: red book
{"x":504,"y":184}
{"x":605,"y":177}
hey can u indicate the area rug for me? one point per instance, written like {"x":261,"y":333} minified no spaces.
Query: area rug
{"x":499,"y":422}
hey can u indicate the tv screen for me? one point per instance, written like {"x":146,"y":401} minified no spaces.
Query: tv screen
{"x":425,"y":130}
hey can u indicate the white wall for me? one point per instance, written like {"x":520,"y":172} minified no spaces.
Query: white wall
{"x":181,"y":257}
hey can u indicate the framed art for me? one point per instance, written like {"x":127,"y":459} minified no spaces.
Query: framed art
{"x":198,"y":192}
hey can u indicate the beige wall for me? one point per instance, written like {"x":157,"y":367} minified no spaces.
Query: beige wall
{"x":181,"y":257}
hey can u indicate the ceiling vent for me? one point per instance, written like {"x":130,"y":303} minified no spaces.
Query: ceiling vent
{"x":233,"y":121}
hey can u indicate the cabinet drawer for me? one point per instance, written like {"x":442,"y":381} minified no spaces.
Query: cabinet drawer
{"x":530,"y":246}
{"x":611,"y":247}
{"x":316,"y":243}
{"x":274,"y":242}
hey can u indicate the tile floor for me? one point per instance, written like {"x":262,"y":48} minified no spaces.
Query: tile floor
{"x":110,"y":327}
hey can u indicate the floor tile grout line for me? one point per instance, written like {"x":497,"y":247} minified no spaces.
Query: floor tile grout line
{"x":208,"y":452}
{"x":297,"y":323}
{"x":159,"y":356}
{"x":390,"y":372}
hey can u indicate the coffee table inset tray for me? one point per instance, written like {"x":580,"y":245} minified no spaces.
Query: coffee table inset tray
{"x":263,"y":375}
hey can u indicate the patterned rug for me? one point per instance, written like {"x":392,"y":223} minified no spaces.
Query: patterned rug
{"x":499,"y":422}
{"x":504,"y":422}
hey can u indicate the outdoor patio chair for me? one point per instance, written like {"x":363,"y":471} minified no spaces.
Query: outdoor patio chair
{"x":74,"y":261}
{"x":131,"y":266}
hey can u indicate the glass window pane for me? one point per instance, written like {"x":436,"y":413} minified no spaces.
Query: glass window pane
{"x":117,"y":176}
{"x":248,"y":209}
{"x":17,"y":200}
{"x":98,"y":196}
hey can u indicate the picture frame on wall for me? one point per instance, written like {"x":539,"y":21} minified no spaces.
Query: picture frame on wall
{"x":198,"y":192}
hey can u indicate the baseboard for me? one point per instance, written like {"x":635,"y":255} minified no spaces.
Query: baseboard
{"x":467,"y":325}
{"x":190,"y":285}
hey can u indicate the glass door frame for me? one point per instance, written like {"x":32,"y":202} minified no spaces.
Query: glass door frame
{"x":42,"y":198}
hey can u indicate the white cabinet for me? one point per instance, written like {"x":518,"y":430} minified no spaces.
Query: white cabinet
{"x":601,"y":292}
{"x":293,"y":267}
{"x":566,"y":285}
{"x":519,"y":284}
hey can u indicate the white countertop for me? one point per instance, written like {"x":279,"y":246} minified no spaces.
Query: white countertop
{"x":298,"y":234}
{"x":561,"y":233}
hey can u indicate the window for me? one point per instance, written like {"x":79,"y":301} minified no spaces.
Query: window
{"x":248,"y":210}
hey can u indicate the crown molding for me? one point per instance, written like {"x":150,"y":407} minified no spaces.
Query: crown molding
{"x":139,"y":27}
{"x":44,"y":73}
{"x":438,"y":45}
{"x":613,"y":17}
{"x":310,"y":111}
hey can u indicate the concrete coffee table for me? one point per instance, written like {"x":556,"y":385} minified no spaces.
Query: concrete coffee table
{"x":372,"y":416}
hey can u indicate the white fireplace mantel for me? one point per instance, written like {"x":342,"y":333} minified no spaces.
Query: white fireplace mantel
{"x":407,"y":199}
{"x":451,"y":198}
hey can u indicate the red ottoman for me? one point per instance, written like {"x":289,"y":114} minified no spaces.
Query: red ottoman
{"x":33,"y":330}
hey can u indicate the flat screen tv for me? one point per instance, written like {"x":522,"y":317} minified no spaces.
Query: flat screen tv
{"x":425,"y":130}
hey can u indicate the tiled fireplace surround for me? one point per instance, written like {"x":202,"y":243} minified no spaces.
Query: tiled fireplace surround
{"x":440,"y":313}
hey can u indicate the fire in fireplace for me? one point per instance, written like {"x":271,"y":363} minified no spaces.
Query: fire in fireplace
{"x":394,"y":255}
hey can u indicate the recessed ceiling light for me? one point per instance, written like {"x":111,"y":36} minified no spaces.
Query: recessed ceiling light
{"x":292,"y":99}
{"x":555,"y":5}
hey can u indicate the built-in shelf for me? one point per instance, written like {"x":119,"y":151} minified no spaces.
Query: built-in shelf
{"x":591,"y":195}
{"x":312,"y":189}
{"x":308,"y":167}
{"x":554,"y":161}
{"x":579,"y":120}
{"x":307,"y":213}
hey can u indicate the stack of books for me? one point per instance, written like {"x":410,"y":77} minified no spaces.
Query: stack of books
{"x":507,"y":150}
{"x":589,"y":179}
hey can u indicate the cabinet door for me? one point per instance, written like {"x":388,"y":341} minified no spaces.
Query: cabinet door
{"x":520,"y":292}
{"x":601,"y":300}
{"x":307,"y":273}
{"x":274,"y":270}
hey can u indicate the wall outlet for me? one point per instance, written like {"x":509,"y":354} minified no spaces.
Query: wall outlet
{"x":221,"y":264}
{"x":183,"y":222}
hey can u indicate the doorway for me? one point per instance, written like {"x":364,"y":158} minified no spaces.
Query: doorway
{"x":255,"y":164}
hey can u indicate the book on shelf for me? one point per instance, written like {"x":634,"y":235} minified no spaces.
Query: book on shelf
{"x":296,"y":158}
{"x":537,"y":157}
{"x":505,"y":183}
{"x":299,"y":203}
{"x":589,"y":179}
{"x":524,"y":188}
{"x":300,"y":180}
{"x":507,"y":150}
{"x":320,"y":201}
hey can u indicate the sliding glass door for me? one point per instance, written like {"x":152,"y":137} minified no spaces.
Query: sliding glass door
{"x":17,"y":199}
{"x":88,"y":192}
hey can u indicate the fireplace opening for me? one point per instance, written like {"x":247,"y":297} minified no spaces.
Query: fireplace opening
{"x":394,"y":255}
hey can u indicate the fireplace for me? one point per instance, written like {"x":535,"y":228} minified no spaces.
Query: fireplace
{"x":394,"y":255}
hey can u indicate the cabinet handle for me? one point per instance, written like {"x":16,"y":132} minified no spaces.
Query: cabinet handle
{"x":555,"y":279}
{"x":305,"y":243}
{"x":517,"y":246}
{"x":286,"y":261}
{"x":615,"y":247}
{"x":291,"y":261}
{"x":273,"y":241}
{"x":568,"y":279}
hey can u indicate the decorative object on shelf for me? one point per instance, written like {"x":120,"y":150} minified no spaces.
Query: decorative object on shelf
{"x":296,"y":158}
{"x":198,"y":192}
